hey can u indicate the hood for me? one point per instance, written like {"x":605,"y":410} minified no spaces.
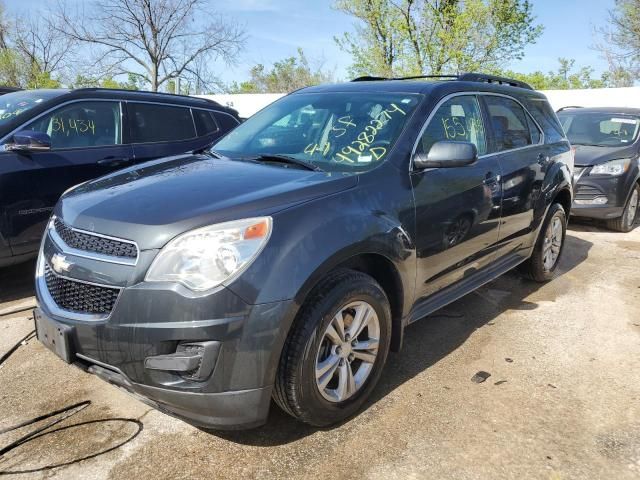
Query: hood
{"x":587,"y":155}
{"x":153,"y":202}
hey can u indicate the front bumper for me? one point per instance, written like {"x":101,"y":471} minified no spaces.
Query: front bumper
{"x":591,"y":191}
{"x":153,"y":320}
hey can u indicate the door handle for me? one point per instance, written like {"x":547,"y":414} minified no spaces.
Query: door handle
{"x":542,"y":159}
{"x":113,"y":161}
{"x":490,"y":179}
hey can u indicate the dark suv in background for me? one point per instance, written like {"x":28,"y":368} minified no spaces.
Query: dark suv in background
{"x":288,"y":261}
{"x":607,"y":149}
{"x":51,"y":140}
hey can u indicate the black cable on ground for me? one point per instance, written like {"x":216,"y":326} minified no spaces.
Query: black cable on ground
{"x":17,"y":310}
{"x":26,"y":338}
{"x":69,"y":411}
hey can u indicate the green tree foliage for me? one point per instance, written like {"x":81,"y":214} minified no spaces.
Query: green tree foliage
{"x":285,"y":76}
{"x":133,"y":83}
{"x":411,"y":37}
{"x":619,"y":43}
{"x":565,"y":77}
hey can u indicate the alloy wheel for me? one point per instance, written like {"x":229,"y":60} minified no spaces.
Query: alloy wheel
{"x":552,"y":243}
{"x":632,"y":211}
{"x":347,"y":352}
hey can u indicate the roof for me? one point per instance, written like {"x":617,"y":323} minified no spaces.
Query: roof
{"x":426,"y":87}
{"x":119,"y":94}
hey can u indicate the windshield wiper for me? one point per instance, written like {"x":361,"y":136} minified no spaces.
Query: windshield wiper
{"x":276,"y":157}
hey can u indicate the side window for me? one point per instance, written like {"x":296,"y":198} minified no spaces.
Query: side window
{"x":509,"y":122}
{"x":546,"y":118}
{"x":81,"y":125}
{"x":205,"y":122}
{"x":458,"y":119}
{"x":160,"y":123}
{"x":226,"y":122}
{"x":534,"y":130}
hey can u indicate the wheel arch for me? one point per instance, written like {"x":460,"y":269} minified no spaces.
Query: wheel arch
{"x":563,"y":197}
{"x":382,"y":270}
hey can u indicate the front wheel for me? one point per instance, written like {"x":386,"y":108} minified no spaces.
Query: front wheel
{"x":627,"y":221}
{"x":336,"y":350}
{"x":544,"y":260}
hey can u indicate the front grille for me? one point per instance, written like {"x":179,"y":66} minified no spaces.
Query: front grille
{"x":94,"y":243}
{"x":79,"y":297}
{"x":587,"y":192}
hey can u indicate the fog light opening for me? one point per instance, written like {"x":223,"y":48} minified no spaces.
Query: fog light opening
{"x":593,"y":201}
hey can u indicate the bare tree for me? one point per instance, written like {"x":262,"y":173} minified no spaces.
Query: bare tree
{"x":157,"y":39}
{"x":39,"y":43}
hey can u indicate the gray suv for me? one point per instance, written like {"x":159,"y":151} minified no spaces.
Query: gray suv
{"x":286,"y":262}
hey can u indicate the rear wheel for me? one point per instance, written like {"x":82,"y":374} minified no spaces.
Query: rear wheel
{"x":627,"y":221}
{"x":335,"y":353}
{"x":542,"y":264}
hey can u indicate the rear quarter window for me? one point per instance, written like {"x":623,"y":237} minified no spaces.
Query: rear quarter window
{"x":226,"y":121}
{"x":546,"y":118}
{"x":205,"y":122}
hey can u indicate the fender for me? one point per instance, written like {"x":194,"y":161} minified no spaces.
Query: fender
{"x":302,"y":250}
{"x":557,"y":179}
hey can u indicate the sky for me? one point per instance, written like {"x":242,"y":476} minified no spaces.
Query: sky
{"x":276,"y":28}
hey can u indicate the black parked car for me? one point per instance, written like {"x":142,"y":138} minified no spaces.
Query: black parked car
{"x":606,"y":154}
{"x":51,"y":140}
{"x":288,"y":261}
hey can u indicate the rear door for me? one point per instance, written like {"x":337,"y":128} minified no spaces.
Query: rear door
{"x":160,"y":130}
{"x":457,"y":209}
{"x":86,"y":142}
{"x":518,"y":144}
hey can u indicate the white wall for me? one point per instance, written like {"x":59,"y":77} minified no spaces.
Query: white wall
{"x":596,"y":97}
{"x":249,"y":103}
{"x":245,"y":103}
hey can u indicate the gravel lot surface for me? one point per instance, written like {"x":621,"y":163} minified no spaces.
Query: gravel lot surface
{"x":562,"y":400}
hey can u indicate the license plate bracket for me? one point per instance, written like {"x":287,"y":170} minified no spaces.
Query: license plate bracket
{"x":54,"y":335}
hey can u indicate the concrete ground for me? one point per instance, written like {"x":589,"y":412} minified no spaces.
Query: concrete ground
{"x":562,"y":401}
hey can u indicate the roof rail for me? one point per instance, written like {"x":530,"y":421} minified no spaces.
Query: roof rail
{"x":368,"y":78}
{"x":484,"y":78}
{"x":465,"y":77}
{"x":125,"y":90}
{"x":568,"y":107}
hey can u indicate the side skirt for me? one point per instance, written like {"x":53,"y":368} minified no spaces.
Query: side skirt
{"x":461,"y":288}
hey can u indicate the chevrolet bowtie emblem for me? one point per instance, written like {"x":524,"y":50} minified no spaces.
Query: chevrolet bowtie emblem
{"x":59,"y":263}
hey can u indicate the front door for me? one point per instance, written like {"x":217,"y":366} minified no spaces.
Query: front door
{"x":457,"y":209}
{"x":86,"y":142}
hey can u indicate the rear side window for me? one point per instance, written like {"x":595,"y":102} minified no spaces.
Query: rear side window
{"x":509,"y":122}
{"x":160,"y":123}
{"x":546,"y":118}
{"x":457,"y":119}
{"x":227,"y":122}
{"x":205,"y":122}
{"x":81,"y":125}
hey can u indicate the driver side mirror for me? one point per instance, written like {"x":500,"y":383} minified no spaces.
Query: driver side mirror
{"x":29,"y":141}
{"x":446,"y":154}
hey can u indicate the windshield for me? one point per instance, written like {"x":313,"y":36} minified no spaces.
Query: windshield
{"x":15,"y":104}
{"x":331,"y":131}
{"x":600,"y":129}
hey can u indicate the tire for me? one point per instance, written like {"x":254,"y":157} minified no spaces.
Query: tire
{"x":538,"y":267}
{"x":627,"y":221}
{"x":309,"y":347}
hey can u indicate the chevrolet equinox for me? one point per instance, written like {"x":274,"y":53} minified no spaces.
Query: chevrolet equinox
{"x":287,"y":261}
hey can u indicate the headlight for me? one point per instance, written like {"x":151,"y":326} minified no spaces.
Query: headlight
{"x":206,"y":257}
{"x":613,"y":168}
